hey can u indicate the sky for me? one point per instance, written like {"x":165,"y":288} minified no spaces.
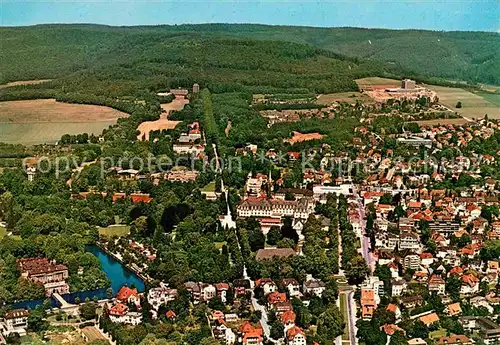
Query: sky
{"x":465,"y":15}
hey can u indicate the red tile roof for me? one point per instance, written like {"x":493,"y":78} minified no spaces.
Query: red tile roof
{"x":125,"y":293}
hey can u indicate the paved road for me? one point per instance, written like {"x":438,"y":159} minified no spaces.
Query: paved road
{"x":365,"y":241}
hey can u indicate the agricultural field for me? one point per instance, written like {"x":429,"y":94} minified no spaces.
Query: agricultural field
{"x":458,"y":121}
{"x":473,"y":105}
{"x":45,"y":120}
{"x":492,"y":97}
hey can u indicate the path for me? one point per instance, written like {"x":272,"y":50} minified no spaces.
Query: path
{"x":351,"y":312}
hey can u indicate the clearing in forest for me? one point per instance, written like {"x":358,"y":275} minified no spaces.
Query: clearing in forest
{"x":163,"y":123}
{"x":24,"y":82}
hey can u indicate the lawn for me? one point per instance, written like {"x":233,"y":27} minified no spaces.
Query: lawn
{"x":343,"y":308}
{"x":219,"y":245}
{"x":209,"y":187}
{"x":115,"y":230}
{"x":437,"y":334}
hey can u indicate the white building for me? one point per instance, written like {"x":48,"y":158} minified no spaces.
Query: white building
{"x":120,"y":313}
{"x":314,"y":286}
{"x":259,"y":207}
{"x":295,"y":336}
{"x":161,"y":296}
{"x":15,"y":321}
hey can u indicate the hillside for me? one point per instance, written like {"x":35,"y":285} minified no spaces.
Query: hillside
{"x":119,"y":61}
{"x":468,"y":56}
{"x":49,"y":51}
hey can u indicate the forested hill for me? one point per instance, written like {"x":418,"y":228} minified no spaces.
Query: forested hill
{"x":458,"y":55}
{"x":48,"y":51}
{"x":115,"y":62}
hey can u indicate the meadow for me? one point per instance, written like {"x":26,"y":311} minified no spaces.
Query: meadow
{"x":114,"y":230}
{"x":45,"y":120}
{"x":366,"y":83}
{"x":473,"y":105}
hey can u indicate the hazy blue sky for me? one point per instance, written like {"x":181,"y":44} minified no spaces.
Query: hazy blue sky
{"x":425,"y":14}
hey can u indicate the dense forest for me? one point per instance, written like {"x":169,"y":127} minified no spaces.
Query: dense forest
{"x":124,"y":63}
{"x":217,"y":51}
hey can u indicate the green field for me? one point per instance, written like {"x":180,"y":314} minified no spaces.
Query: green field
{"x":3,"y":232}
{"x":209,"y":187}
{"x":372,"y":81}
{"x":437,"y":334}
{"x":490,"y":97}
{"x":348,"y":97}
{"x":115,"y":230}
{"x":343,"y":308}
{"x":473,"y":105}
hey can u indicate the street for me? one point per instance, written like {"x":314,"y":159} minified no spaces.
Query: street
{"x":365,"y":240}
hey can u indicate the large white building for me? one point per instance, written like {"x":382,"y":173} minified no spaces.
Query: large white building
{"x":259,"y":207}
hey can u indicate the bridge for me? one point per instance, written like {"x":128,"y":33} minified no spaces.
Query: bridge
{"x":68,"y":308}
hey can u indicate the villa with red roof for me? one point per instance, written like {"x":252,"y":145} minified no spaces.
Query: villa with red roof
{"x":120,"y":313}
{"x":128,"y":295}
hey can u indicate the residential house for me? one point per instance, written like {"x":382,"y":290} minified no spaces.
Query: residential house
{"x":241,"y":286}
{"x":436,"y":284}
{"x":276,"y":297}
{"x":120,"y":313}
{"x":393,"y":308}
{"x":221,"y":331}
{"x":429,"y":319}
{"x":292,"y":286}
{"x":368,"y":304}
{"x":398,"y":287}
{"x":295,"y":336}
{"x":470,"y":284}
{"x":313,"y":286}
{"x":267,"y":285}
{"x":409,"y":240}
{"x":127,"y":295}
{"x":161,"y":296}
{"x":288,"y":319}
{"x":251,"y":335}
{"x":15,"y":321}
{"x":453,"y":309}
{"x":222,"y":289}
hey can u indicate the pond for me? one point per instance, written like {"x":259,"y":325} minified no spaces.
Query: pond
{"x":118,"y":274}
